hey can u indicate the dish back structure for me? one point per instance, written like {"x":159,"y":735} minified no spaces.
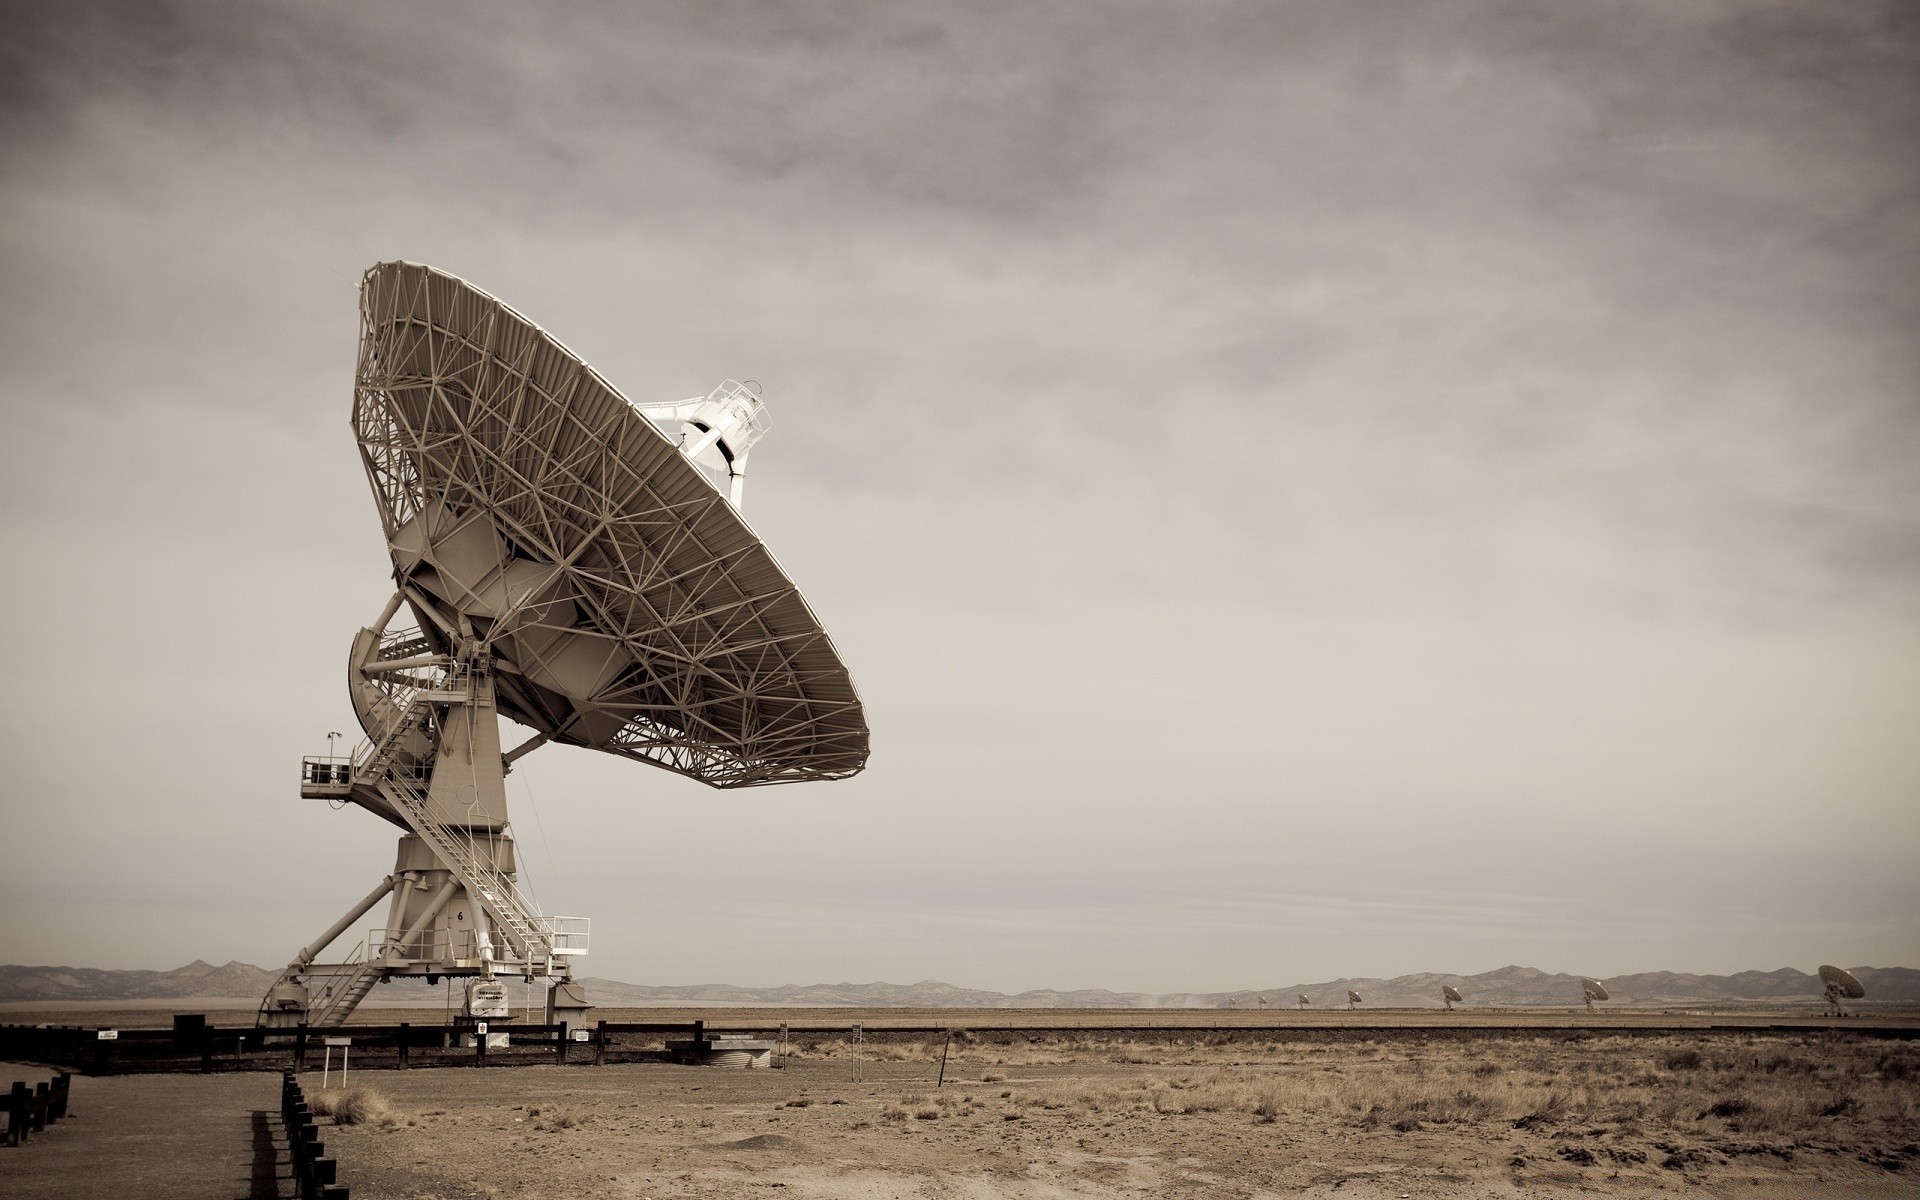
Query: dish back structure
{"x":573,"y":562}
{"x":1839,"y":984}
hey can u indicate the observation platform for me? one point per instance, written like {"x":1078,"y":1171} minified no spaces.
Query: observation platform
{"x":324,"y":778}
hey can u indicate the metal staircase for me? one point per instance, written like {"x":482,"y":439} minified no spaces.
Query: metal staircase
{"x":528,"y":933}
{"x":531,"y":937}
{"x":336,"y":1002}
{"x":396,"y":766}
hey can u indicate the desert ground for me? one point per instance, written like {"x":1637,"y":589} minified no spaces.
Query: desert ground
{"x":1392,"y":1109}
{"x":1359,"y":1116}
{"x":1384,"y":1116}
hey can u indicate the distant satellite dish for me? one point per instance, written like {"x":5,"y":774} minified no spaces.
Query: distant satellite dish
{"x":1451,"y":995}
{"x":1592,"y":990}
{"x":1353,"y":997}
{"x":1303,"y":999}
{"x":1840,"y":985}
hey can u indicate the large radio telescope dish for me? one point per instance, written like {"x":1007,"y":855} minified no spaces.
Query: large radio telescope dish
{"x":1353,"y":998}
{"x":1591,"y":990}
{"x":1838,"y":985}
{"x":1450,"y":994}
{"x":570,"y":561}
{"x":629,"y":606}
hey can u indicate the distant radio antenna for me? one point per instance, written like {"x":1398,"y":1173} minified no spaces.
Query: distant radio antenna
{"x":1451,"y":995}
{"x":1840,"y":985}
{"x":1303,"y":999}
{"x":1353,"y":998}
{"x":1592,"y":990}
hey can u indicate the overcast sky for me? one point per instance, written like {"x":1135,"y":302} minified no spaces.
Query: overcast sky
{"x":1305,"y":489}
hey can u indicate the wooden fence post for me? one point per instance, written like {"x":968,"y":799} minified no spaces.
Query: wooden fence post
{"x":19,"y":1114}
{"x":405,"y":1030}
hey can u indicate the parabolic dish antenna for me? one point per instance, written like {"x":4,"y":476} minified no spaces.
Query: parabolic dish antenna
{"x":575,"y":563}
{"x":1353,"y":998}
{"x":1591,"y":990}
{"x":1450,"y":994}
{"x":1838,"y":985}
{"x":1303,"y":999}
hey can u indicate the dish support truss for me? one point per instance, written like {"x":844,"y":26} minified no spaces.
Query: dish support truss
{"x":435,"y":768}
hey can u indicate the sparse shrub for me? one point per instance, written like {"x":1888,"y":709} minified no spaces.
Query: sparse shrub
{"x":1896,"y":1068}
{"x":1683,"y":1060}
{"x":1681,"y":1159}
{"x":354,"y":1106}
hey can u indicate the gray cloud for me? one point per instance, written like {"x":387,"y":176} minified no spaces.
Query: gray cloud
{"x":1266,"y":464}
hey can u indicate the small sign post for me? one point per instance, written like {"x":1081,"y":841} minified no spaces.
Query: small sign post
{"x":326,"y":1069}
{"x":107,"y":1035}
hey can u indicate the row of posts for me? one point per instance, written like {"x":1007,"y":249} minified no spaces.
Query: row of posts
{"x":31,"y":1110}
{"x":313,"y":1171}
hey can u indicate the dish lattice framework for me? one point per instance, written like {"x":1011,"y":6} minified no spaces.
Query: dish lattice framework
{"x":632,"y":609}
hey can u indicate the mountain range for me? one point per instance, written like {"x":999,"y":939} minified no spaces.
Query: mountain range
{"x":1506,"y":987}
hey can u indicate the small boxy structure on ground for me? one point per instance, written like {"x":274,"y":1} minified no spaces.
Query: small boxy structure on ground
{"x":723,"y":1050}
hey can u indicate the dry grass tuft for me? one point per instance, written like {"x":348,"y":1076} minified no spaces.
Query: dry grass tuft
{"x":354,"y":1106}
